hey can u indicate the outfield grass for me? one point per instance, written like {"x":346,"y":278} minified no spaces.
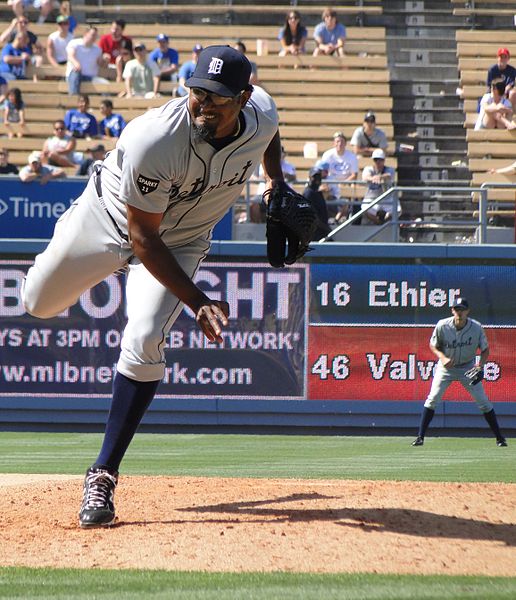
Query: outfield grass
{"x":317,"y":457}
{"x":163,"y":585}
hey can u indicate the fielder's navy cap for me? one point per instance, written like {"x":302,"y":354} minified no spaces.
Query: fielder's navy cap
{"x":221,"y":70}
{"x":461,"y":303}
{"x":162,"y":37}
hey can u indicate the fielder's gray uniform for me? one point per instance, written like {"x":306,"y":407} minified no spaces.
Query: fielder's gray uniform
{"x":158,"y":166}
{"x":461,"y":345}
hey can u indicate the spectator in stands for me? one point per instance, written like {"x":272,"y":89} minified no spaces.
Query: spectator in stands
{"x":36,"y":171}
{"x":504,"y":71}
{"x":14,"y":112}
{"x":368,"y":137}
{"x":187,"y":69}
{"x":167,"y":59}
{"x":15,"y":58}
{"x":98,"y":153}
{"x":19,"y":6}
{"x":342,"y":166}
{"x":257,"y":209}
{"x":112,"y":124}
{"x":329,"y":35}
{"x":21,"y":25}
{"x":126,"y":54}
{"x":292,"y":35}
{"x":141,"y":76}
{"x":59,"y":149}
{"x":110,"y":42}
{"x":3,"y":89}
{"x":57,"y":42}
{"x":84,"y":60}
{"x":79,"y":122}
{"x":6,"y":168}
{"x":66,"y":10}
{"x":241,"y":47}
{"x":313,"y":193}
{"x":495,"y":109}
{"x":379,"y":179}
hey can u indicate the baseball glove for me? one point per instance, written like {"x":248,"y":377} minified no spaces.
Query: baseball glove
{"x":474,"y":375}
{"x":291,"y":219}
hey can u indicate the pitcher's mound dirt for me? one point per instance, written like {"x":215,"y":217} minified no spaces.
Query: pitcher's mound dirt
{"x":190,"y":523}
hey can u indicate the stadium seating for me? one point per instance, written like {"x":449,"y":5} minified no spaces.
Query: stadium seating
{"x":315,"y":95}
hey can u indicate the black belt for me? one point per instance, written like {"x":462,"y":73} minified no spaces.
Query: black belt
{"x":98,"y":186}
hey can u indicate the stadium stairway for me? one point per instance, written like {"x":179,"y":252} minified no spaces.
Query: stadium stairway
{"x":427,"y":112}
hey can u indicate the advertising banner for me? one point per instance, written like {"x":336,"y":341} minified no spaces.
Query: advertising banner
{"x":30,"y":210}
{"x":262,"y":354}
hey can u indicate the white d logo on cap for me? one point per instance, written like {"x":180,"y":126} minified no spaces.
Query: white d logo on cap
{"x":215,"y":67}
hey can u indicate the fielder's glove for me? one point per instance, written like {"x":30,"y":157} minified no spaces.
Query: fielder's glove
{"x":474,"y":375}
{"x":290,"y":217}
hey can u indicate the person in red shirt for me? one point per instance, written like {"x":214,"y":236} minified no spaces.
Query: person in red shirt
{"x":110,"y":42}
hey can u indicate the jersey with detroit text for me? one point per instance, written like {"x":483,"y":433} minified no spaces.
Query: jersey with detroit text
{"x":159,"y":166}
{"x":459,"y":344}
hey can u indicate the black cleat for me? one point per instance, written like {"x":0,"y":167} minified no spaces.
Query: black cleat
{"x":97,"y":508}
{"x":501,"y":443}
{"x":419,"y":441}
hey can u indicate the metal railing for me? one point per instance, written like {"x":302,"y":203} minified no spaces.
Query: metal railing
{"x":395,"y":224}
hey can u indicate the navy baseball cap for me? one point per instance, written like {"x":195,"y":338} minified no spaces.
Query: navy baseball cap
{"x":461,"y":303}
{"x":162,"y":37}
{"x":221,"y":70}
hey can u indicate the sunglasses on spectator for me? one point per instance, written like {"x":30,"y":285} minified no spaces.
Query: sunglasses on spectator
{"x":59,"y":128}
{"x":201,"y":95}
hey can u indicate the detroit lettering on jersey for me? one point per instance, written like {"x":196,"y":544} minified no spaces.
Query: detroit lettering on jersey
{"x":194,"y":189}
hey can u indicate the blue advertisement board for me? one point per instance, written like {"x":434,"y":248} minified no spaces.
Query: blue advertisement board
{"x":30,"y":210}
{"x":410,"y":294}
{"x":262,"y":353}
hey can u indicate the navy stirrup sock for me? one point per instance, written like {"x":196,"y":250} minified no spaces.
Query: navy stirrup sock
{"x":426,"y":417}
{"x":492,"y":421}
{"x":130,"y":401}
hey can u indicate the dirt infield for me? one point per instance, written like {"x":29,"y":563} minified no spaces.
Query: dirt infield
{"x":189,"y":523}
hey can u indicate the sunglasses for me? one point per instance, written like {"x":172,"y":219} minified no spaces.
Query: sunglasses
{"x":201,"y":95}
{"x":59,"y":128}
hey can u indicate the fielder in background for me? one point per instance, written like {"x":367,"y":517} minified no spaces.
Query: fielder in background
{"x":150,"y":208}
{"x":455,"y":341}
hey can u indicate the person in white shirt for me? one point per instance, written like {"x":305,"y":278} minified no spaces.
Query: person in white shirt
{"x":495,"y":109}
{"x":84,"y":60}
{"x":379,"y":179}
{"x":58,"y":41}
{"x":342,"y":166}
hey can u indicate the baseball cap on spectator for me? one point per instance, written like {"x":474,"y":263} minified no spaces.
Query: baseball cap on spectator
{"x":503,"y":52}
{"x":162,"y":37}
{"x":338,"y":134}
{"x":221,"y":70}
{"x":378,"y":153}
{"x":97,"y":148}
{"x":140,"y":46}
{"x":62,"y":19}
{"x":322,"y":166}
{"x":461,"y":303}
{"x":197,"y":48}
{"x":369,"y":116}
{"x":34,"y":157}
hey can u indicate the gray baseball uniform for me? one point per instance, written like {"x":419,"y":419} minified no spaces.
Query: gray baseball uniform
{"x":158,"y":166}
{"x":461,"y":345}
